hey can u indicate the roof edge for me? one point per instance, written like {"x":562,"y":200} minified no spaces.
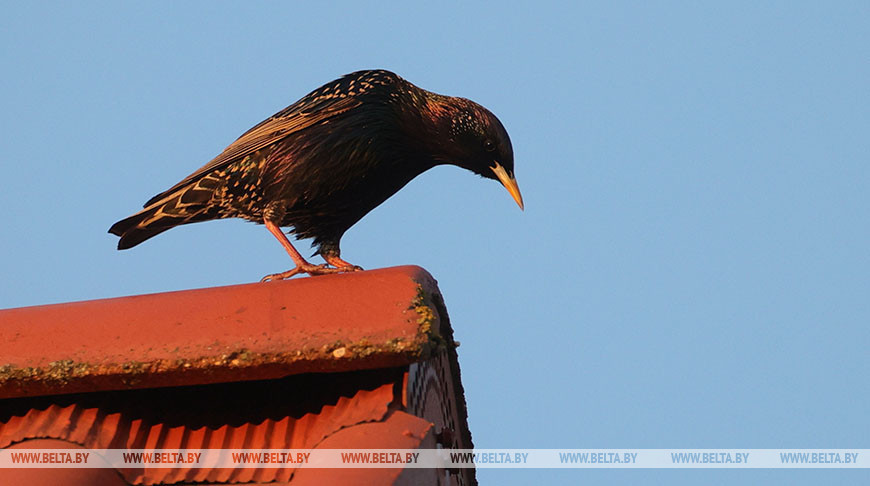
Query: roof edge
{"x":364,"y":320}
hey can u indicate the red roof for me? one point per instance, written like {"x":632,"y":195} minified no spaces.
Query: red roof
{"x":344,"y":322}
{"x":354,"y":360}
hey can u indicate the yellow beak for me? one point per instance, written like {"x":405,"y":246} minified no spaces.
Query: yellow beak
{"x":509,"y":183}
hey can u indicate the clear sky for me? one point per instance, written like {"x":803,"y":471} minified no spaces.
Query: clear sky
{"x":692,"y":269}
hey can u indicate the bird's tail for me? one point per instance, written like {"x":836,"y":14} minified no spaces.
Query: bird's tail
{"x":188,"y":204}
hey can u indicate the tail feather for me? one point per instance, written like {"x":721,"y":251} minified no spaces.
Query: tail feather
{"x":187,"y":205}
{"x":135,"y":229}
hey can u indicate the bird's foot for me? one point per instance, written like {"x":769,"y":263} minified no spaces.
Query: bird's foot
{"x":310,"y":269}
{"x":349,"y":268}
{"x":338,"y":263}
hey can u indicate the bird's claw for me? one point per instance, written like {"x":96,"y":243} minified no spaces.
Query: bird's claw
{"x":313,"y":270}
{"x":280,"y":276}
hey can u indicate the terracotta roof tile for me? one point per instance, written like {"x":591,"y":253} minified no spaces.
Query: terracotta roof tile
{"x":362,"y":320}
{"x":358,"y":360}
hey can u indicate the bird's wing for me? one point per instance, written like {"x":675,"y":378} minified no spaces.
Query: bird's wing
{"x":310,"y":110}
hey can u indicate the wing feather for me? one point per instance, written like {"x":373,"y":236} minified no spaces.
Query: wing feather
{"x":309,"y":111}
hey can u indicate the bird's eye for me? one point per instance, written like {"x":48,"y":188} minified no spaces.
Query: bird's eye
{"x":489,"y":146}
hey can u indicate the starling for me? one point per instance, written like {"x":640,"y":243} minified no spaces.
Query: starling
{"x":321,"y":164}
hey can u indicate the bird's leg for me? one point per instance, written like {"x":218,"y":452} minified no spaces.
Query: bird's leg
{"x":302,"y":266}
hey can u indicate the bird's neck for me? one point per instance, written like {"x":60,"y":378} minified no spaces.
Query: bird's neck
{"x":430,"y":128}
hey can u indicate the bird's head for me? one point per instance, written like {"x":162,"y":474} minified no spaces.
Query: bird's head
{"x":474,"y":139}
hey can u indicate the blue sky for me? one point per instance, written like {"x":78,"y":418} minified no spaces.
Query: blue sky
{"x":692,"y":269}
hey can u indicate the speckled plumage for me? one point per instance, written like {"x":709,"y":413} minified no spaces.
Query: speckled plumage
{"x":322,"y":163}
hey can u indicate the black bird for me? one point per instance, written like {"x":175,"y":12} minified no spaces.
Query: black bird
{"x":324,"y":162}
